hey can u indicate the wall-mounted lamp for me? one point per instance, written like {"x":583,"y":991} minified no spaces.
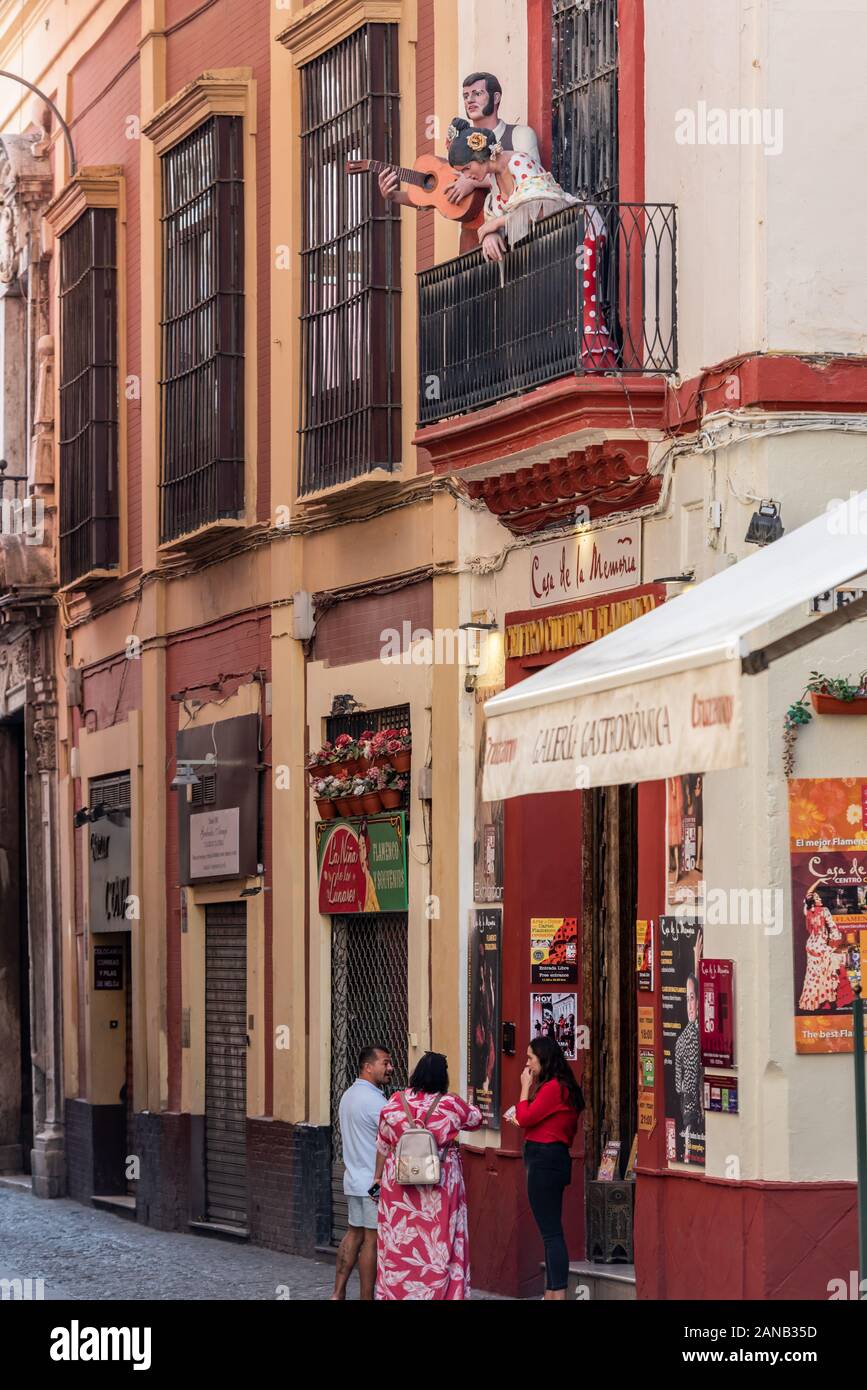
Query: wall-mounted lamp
{"x":765,"y":525}
{"x":185,"y":776}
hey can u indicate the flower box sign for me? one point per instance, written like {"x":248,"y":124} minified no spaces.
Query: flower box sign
{"x":362,"y":865}
{"x":579,"y":566}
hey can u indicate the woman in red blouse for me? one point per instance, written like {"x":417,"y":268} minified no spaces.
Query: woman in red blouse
{"x":548,"y":1111}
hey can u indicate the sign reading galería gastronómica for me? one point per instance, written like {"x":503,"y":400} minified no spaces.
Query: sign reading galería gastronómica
{"x":686,"y":722}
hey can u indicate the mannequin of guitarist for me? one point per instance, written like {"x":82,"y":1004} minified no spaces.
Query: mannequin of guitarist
{"x":482,"y":96}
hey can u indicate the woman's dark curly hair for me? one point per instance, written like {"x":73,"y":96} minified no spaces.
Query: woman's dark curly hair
{"x":471,"y":144}
{"x":457,"y":124}
{"x":554,"y":1067}
{"x":431,"y":1074}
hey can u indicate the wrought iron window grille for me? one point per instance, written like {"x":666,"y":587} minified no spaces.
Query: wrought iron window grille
{"x":202,"y":377}
{"x":89,"y":526}
{"x":350,"y":263}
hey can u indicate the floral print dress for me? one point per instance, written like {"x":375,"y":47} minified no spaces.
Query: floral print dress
{"x":423,"y":1251}
{"x":822,"y":978}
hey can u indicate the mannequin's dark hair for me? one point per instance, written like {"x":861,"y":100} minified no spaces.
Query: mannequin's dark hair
{"x":554,"y":1067}
{"x":491,"y":82}
{"x":461,"y":152}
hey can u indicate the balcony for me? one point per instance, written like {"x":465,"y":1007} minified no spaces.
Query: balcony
{"x":488,"y":331}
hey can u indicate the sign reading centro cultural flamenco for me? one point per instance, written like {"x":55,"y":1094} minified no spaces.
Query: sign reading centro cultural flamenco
{"x":362,"y":864}
{"x":686,"y":722}
{"x":579,"y":566}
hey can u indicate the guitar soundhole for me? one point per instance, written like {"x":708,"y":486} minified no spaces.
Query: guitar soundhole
{"x":430,"y":182}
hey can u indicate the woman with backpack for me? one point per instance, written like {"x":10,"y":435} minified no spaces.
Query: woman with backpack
{"x":548,"y":1111}
{"x":419,"y":1185}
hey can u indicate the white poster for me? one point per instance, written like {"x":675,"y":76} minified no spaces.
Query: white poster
{"x":687,"y":722}
{"x":214,"y":838}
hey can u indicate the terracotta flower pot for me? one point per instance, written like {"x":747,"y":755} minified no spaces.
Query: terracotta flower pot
{"x":390,"y":799}
{"x":326,"y":808}
{"x":357,"y":806}
{"x":344,"y":806}
{"x":351,"y":766}
{"x":402,"y":760}
{"x":337,"y":770}
{"x":830,"y":704}
{"x":363,"y":765}
{"x":372,"y":803}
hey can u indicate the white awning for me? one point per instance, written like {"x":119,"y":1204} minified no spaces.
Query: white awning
{"x":662,"y":695}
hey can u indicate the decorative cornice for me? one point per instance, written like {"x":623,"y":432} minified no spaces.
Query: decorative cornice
{"x":94,"y":186}
{"x":221,"y":92}
{"x":320,"y":26}
{"x":604,"y":478}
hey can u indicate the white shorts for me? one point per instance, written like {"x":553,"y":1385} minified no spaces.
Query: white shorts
{"x":362,"y":1213}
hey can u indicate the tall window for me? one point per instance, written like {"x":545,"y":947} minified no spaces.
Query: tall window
{"x":88,"y":395}
{"x":350,"y":380}
{"x":203,"y":328}
{"x":584,"y":97}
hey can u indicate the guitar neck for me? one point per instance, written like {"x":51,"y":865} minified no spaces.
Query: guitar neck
{"x":375,"y":166}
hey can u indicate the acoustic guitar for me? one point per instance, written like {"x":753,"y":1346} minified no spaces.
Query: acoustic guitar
{"x":427,"y":184}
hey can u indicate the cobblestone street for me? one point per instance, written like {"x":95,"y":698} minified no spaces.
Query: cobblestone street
{"x":82,"y":1253}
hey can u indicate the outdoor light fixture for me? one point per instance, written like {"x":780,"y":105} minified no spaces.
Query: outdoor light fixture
{"x":81,"y":817}
{"x":765,"y":525}
{"x":86,"y":817}
{"x":185,"y":776}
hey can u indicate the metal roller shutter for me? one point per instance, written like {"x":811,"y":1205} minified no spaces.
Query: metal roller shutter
{"x":226,"y":1064}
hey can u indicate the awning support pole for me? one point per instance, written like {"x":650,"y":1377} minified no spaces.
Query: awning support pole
{"x":759,"y":660}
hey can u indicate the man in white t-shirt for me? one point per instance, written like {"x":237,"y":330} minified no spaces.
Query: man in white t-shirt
{"x":482,"y":96}
{"x":359,"y":1111}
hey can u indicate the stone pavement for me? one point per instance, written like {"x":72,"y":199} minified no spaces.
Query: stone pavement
{"x":82,"y":1253}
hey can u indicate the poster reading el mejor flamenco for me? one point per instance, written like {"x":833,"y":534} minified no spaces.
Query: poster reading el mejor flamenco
{"x":828,"y":851}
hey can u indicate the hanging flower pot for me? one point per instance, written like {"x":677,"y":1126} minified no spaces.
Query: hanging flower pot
{"x":326,"y":808}
{"x":362,"y":766}
{"x":832,"y":704}
{"x":356,"y":802}
{"x":338,"y":770}
{"x":344,"y":806}
{"x":371,"y":803}
{"x":351,"y":766}
{"x":402,"y":761}
{"x":390,"y":799}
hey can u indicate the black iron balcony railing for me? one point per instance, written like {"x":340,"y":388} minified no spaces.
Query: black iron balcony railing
{"x":590,"y":290}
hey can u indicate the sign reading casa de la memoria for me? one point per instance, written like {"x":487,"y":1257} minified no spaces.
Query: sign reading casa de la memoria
{"x":588,"y":563}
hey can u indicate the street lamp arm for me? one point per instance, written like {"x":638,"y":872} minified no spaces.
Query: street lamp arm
{"x":67,"y":135}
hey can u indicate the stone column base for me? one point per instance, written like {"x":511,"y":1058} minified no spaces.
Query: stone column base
{"x":48,"y":1163}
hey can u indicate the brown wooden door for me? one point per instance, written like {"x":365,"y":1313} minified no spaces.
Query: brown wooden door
{"x":608,"y":928}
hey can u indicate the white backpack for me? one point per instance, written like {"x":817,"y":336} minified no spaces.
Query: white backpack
{"x":417,"y":1158}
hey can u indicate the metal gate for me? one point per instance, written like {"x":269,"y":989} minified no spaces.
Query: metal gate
{"x":368,"y":1008}
{"x":226,"y":1064}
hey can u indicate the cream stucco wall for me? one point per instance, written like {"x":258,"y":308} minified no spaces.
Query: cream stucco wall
{"x":769,"y":243}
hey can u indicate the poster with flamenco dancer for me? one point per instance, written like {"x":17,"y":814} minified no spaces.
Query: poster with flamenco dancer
{"x":828,"y":853}
{"x":483,"y":1031}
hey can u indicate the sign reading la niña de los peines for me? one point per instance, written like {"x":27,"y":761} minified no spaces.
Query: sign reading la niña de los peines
{"x":362,"y":864}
